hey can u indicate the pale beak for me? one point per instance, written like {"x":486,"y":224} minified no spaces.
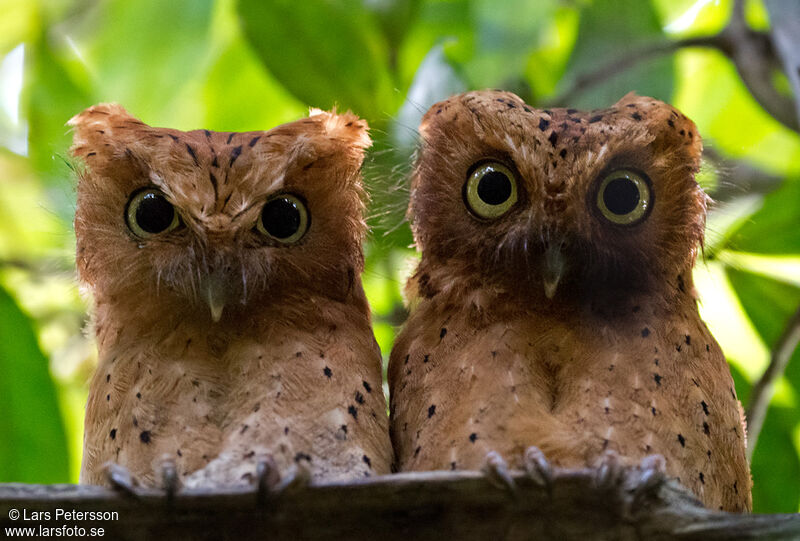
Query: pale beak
{"x":216,"y":295}
{"x":553,"y":269}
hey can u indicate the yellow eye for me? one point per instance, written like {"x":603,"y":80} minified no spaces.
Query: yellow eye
{"x":149,"y":213}
{"x":284,"y":218}
{"x":624,"y":197}
{"x":491,"y":190}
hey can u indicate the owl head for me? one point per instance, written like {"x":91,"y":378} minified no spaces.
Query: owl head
{"x":211,"y":225}
{"x":545,"y":205}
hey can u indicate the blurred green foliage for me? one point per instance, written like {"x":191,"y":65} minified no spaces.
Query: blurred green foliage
{"x":225,"y":66}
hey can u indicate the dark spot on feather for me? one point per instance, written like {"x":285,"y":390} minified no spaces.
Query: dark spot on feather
{"x":145,"y":436}
{"x":302,"y":456}
{"x":645,"y":332}
{"x":442,"y":333}
{"x":595,"y":118}
{"x":553,"y":138}
{"x":367,"y":461}
{"x":688,"y":340}
{"x":405,"y":361}
{"x":682,"y":440}
{"x":113,"y":433}
{"x":704,"y":406}
{"x":214,"y":162}
{"x":235,"y":154}
{"x":473,"y":437}
{"x":563,"y":153}
{"x":91,"y":154}
{"x":417,"y":450}
{"x":108,"y":378}
{"x":653,"y":410}
{"x":571,"y":111}
{"x":138,"y":395}
{"x":657,"y":379}
{"x":244,"y":429}
{"x":543,"y":124}
{"x":327,"y":371}
{"x":192,"y":154}
{"x":426,"y":358}
{"x":359,"y":397}
{"x":636,"y":116}
{"x":253,"y":141}
{"x":702,"y":478}
{"x":431,"y":410}
{"x":108,"y":397}
{"x":352,"y":411}
{"x":452,"y":466}
{"x":706,"y":429}
{"x":213,"y":180}
{"x":230,"y":138}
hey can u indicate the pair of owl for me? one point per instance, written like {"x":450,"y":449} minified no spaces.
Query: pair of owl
{"x":552,"y":307}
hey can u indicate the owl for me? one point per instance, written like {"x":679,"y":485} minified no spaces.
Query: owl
{"x":230,"y":319}
{"x":553,"y":304}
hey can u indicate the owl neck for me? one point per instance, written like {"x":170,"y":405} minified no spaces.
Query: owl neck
{"x":460,"y":288}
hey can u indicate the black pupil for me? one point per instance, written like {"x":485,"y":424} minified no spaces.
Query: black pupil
{"x":621,"y":196}
{"x":281,"y":218}
{"x":154,"y":213}
{"x":494,"y":188}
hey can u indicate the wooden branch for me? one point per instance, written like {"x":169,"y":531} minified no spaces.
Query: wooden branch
{"x":761,"y":394}
{"x":429,"y":505}
{"x":751,"y":52}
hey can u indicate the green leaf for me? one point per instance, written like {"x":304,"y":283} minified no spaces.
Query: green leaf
{"x":34,"y":447}
{"x":324,"y":52}
{"x":775,"y":227}
{"x":604,"y":36}
{"x":506,"y":34}
{"x":769,"y":305}
{"x":775,"y":465}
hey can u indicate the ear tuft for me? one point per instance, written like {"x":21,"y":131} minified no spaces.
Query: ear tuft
{"x":347,"y":126}
{"x":94,"y":126}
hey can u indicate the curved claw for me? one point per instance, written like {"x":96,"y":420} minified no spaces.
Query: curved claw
{"x":537,"y":467}
{"x":496,"y":471}
{"x":267,"y":477}
{"x":650,"y":476}
{"x":298,"y":476}
{"x":169,"y":478}
{"x":610,"y":472}
{"x":121,"y":479}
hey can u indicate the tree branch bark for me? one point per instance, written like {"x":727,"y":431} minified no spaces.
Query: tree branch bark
{"x":751,"y":52}
{"x":426,"y":505}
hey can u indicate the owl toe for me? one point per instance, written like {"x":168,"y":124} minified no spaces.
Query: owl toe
{"x":537,"y":467}
{"x":496,"y":471}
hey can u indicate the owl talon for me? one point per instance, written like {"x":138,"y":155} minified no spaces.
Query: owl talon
{"x":650,"y":476}
{"x":496,"y":471}
{"x":537,"y":467}
{"x":610,"y":472}
{"x":298,"y":476}
{"x":267,"y":477}
{"x":120,"y":479}
{"x":169,"y":479}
